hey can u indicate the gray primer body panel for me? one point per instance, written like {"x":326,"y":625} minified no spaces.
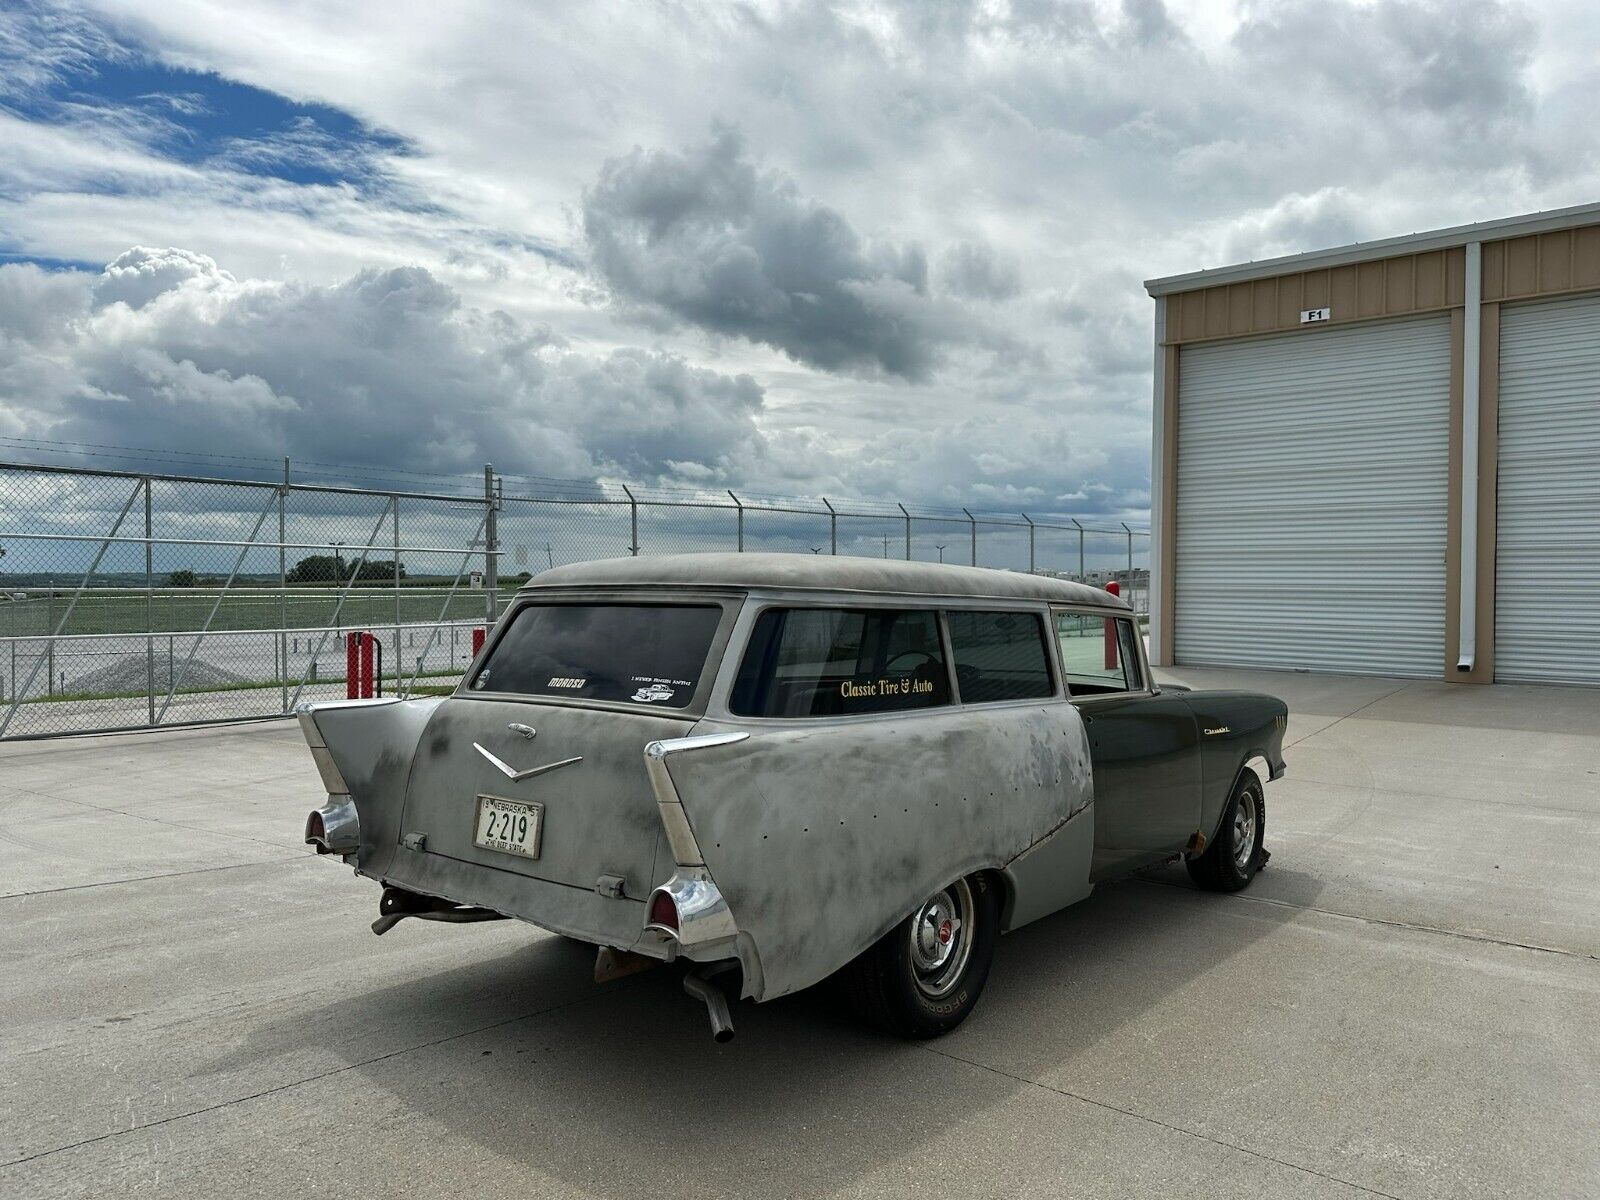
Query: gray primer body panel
{"x":600,"y":814}
{"x":823,"y":837}
{"x":374,"y":747}
{"x":843,"y":576}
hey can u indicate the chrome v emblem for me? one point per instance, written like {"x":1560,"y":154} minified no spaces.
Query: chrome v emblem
{"x":517,"y":776}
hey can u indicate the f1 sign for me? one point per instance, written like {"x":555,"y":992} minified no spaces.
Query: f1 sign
{"x":1308,"y":315}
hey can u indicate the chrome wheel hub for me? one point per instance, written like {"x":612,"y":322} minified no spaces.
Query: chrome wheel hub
{"x":1244,"y":831}
{"x":941,"y":939}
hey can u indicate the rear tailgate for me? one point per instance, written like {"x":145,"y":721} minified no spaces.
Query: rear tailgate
{"x":598,"y":814}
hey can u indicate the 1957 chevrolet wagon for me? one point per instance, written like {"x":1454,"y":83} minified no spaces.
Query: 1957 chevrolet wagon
{"x":783,"y":767}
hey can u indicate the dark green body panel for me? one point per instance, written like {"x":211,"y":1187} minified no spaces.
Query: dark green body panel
{"x":1165,"y":765}
{"x":1254,"y":723}
{"x":1147,"y":777}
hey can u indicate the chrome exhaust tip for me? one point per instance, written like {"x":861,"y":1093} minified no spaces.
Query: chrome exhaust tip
{"x":716,"y":1006}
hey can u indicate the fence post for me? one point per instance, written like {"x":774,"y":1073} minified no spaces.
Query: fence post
{"x":1025,"y":517}
{"x":1083,"y":576}
{"x":973,"y":522}
{"x":491,"y":544}
{"x":633,"y":522}
{"x":833,"y":527}
{"x":908,"y":531}
{"x":283,"y":592}
{"x":397,"y":613}
{"x":149,"y":610}
{"x":740,"y":505}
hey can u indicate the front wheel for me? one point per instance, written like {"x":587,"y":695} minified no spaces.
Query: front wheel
{"x":1233,"y":858}
{"x":924,"y":976}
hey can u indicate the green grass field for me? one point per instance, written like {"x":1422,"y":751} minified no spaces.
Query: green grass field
{"x":185,"y":610}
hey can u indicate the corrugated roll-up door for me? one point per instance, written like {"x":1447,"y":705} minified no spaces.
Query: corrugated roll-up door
{"x":1311,"y":499}
{"x":1547,"y":558}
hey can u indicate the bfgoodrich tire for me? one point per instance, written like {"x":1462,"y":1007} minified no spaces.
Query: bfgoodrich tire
{"x":924,"y":976}
{"x":1236,"y":853}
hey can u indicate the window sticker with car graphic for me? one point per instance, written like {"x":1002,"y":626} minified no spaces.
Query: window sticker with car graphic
{"x":658,"y":691}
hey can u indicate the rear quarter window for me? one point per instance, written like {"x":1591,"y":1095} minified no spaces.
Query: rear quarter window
{"x":815,"y":662}
{"x":999,"y":656}
{"x":651,"y":654}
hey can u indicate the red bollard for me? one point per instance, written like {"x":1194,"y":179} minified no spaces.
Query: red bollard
{"x":478,"y":636}
{"x":366,"y":666}
{"x":352,"y":667}
{"x":1111,"y":631}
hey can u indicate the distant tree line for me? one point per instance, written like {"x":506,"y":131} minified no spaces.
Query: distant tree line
{"x":328,"y":568}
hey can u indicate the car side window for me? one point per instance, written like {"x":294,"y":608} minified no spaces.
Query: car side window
{"x":829,"y":662}
{"x":1098,"y":654}
{"x":999,"y":656}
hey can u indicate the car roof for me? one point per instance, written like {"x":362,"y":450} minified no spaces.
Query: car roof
{"x":816,"y":572}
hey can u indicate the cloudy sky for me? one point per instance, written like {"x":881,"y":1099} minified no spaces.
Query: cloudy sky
{"x":853,"y":249}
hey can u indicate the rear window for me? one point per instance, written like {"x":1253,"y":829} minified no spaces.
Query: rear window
{"x":999,"y":656}
{"x":814,"y":662}
{"x":641,"y":654}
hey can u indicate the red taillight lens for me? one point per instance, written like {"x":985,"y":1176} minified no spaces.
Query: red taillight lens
{"x":663,"y":912}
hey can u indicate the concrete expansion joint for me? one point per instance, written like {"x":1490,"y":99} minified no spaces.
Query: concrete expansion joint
{"x":109,"y":883}
{"x":1437,"y":930}
{"x":1138,"y":1116}
{"x":1411,"y":683}
{"x":320,"y":1075}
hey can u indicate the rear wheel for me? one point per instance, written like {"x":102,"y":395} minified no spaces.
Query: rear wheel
{"x":1236,"y":854}
{"x":924,"y":976}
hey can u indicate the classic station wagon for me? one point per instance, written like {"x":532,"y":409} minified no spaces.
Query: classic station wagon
{"x":781,"y":768}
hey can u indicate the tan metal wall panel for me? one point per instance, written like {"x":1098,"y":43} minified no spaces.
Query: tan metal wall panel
{"x":1388,"y":287}
{"x":1543,"y":264}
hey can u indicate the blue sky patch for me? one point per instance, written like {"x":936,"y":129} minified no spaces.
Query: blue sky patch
{"x":202,"y":119}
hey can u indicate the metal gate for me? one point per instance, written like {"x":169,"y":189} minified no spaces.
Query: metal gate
{"x":1547,"y":560}
{"x":1312,"y":499}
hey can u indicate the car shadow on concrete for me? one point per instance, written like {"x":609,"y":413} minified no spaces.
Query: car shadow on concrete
{"x":621,"y":1088}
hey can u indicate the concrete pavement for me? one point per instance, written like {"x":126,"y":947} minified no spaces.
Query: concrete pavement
{"x":1405,"y":1003}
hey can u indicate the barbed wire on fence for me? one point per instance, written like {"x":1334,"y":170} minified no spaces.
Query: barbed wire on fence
{"x":137,"y":599}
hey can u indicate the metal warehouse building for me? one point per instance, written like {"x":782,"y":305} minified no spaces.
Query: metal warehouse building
{"x":1385,"y":458}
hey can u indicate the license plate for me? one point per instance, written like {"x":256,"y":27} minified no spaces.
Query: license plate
{"x":509,"y":826}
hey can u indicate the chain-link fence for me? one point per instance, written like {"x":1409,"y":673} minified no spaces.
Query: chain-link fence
{"x":144,"y":601}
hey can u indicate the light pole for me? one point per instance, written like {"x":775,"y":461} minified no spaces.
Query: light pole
{"x":338,"y":577}
{"x":940,"y":549}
